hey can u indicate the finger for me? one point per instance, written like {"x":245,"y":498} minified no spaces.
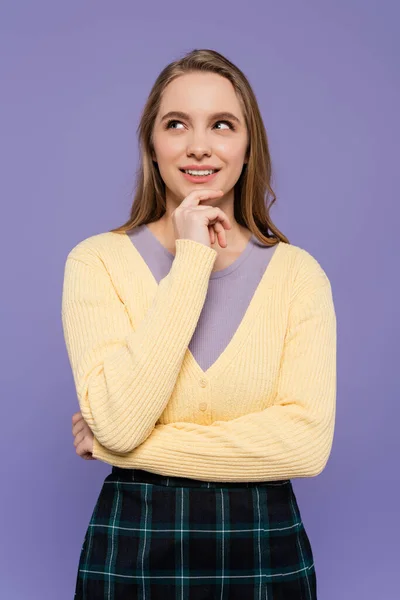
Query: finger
{"x":81,"y":449}
{"x":212,"y":234}
{"x":194,"y":197}
{"x":78,"y":438}
{"x":84,"y":446}
{"x":88,"y":456}
{"x":220,"y":234}
{"x":216,"y":215}
{"x":78,"y":427}
{"x":76,"y":417}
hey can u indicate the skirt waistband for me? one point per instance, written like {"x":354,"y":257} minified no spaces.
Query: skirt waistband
{"x":141,"y":476}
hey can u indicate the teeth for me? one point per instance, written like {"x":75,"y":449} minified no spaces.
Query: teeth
{"x":190,"y":172}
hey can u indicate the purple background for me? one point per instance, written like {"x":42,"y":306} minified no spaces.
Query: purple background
{"x":75,"y":77}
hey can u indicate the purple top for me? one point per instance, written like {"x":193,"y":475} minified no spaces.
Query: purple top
{"x":230,"y":291}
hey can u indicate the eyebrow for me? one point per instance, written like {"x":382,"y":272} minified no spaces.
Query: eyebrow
{"x":181,"y":115}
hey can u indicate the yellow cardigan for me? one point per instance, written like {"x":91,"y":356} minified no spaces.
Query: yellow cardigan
{"x":265,"y":409}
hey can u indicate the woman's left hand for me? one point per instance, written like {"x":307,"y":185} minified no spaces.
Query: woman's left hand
{"x":83,"y":435}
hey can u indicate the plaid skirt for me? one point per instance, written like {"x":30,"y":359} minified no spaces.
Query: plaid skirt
{"x":154,"y":537}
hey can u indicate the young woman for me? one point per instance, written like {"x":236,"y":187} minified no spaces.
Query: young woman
{"x":203,"y":349}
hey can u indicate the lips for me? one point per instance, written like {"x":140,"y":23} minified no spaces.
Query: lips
{"x":199,"y":179}
{"x":199,"y":169}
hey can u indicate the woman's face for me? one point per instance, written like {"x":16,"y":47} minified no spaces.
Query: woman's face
{"x":199,"y":136}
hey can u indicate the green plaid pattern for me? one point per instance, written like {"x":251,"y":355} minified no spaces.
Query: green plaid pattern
{"x":153,"y":537}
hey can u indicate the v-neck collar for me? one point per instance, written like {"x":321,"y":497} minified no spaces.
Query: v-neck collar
{"x":248,"y":321}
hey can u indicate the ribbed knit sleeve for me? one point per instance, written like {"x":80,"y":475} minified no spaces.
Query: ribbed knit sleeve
{"x":124,"y":378}
{"x":291,"y":438}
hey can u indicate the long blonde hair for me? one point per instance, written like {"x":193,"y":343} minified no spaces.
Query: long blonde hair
{"x":252,"y":190}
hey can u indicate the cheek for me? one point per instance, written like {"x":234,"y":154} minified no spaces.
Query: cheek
{"x":167,"y":150}
{"x":231,"y":153}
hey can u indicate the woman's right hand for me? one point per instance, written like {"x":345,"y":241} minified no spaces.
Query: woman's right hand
{"x":83,"y":437}
{"x":200,"y":223}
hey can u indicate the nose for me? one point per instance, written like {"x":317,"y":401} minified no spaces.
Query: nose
{"x":198,"y":146}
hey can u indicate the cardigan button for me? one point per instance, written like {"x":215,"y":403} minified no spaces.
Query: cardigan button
{"x":203,"y":382}
{"x":203,"y":405}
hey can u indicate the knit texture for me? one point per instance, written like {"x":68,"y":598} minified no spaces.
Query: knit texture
{"x":265,"y":409}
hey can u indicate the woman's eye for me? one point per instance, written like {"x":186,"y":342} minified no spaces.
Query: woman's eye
{"x":226,"y":123}
{"x":230,"y":125}
{"x":170,"y":123}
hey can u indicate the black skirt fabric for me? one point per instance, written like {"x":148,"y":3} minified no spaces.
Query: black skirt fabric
{"x":153,"y":537}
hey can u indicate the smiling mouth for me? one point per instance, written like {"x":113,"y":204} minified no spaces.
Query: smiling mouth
{"x":187,"y":171}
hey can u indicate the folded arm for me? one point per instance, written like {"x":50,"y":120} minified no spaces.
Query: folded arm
{"x":291,"y":438}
